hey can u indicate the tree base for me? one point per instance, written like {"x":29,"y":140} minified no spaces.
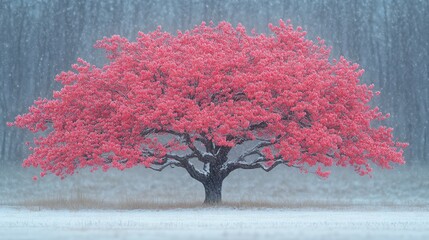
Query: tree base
{"x":213,"y":191}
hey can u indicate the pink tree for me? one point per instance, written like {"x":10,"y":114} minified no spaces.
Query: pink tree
{"x":177,"y":100}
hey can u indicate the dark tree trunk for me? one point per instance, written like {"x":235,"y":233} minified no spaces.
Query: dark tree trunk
{"x":213,"y":190}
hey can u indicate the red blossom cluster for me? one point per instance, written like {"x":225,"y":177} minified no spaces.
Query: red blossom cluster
{"x":216,"y":83}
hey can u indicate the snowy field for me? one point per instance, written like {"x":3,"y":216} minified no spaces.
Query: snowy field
{"x":284,"y":204}
{"x":218,"y":223}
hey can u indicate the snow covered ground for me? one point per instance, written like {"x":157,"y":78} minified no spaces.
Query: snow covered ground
{"x":213,"y":223}
{"x":284,"y":204}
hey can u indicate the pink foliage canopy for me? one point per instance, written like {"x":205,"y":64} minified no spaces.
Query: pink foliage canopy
{"x":216,"y":83}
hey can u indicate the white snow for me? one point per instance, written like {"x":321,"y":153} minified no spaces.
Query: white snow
{"x":213,"y":223}
{"x":392,"y":205}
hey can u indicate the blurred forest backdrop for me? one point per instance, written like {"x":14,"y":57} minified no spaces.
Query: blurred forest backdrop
{"x":388,"y":38}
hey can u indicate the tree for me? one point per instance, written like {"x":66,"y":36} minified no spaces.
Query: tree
{"x":187,"y":100}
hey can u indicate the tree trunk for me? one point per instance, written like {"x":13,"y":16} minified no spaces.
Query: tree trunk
{"x":213,"y":190}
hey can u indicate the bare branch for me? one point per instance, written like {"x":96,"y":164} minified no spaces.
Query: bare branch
{"x":195,"y":173}
{"x":254,"y":150}
{"x":165,"y":164}
{"x":261,"y":162}
{"x":180,"y":158}
{"x":208,"y":144}
{"x":194,"y":149}
{"x":170,"y":156}
{"x":184,"y":136}
{"x":263,"y":166}
{"x":222,"y":154}
{"x":179,"y":161}
{"x":183,"y":160}
{"x":147,"y":132}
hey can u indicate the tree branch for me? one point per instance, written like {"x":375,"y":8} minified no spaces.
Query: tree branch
{"x":146,"y":132}
{"x":183,"y":161}
{"x":208,"y":144}
{"x":258,"y":163}
{"x":184,"y":136}
{"x":195,"y":173}
{"x":180,"y":161}
{"x":194,"y":149}
{"x":254,"y":150}
{"x":260,"y":125}
{"x":165,"y":164}
{"x":222,"y":154}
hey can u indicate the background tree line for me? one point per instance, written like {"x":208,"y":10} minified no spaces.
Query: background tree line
{"x":388,"y":38}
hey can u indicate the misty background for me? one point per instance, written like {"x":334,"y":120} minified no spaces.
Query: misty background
{"x":388,"y":38}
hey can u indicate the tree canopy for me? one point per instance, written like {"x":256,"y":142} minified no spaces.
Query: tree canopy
{"x":164,"y":100}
